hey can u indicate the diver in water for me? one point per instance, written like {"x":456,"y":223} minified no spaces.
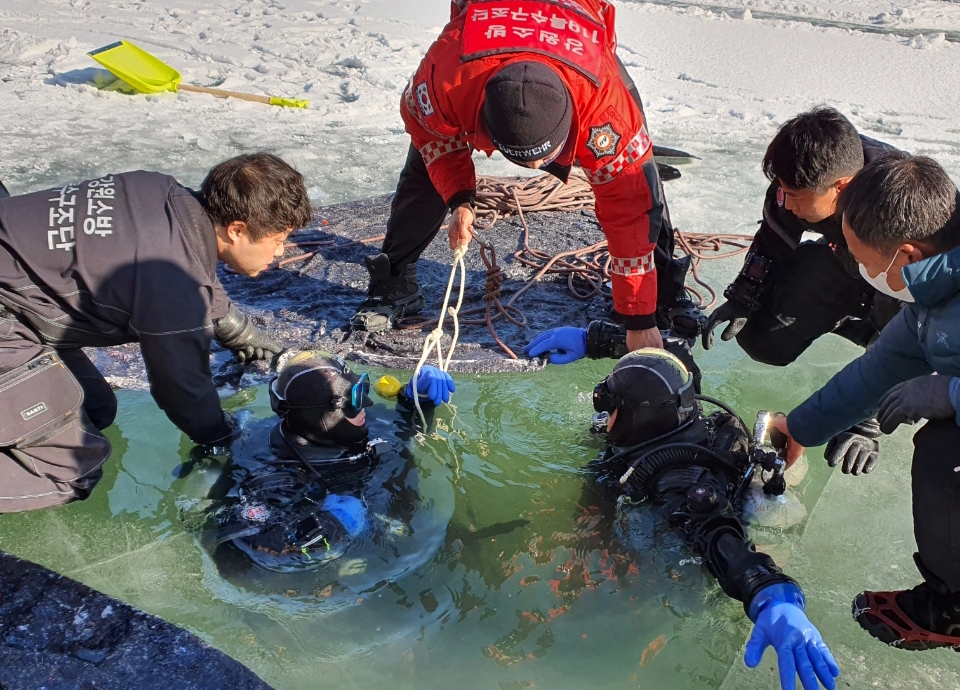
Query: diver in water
{"x":302,"y":501}
{"x":694,"y":467}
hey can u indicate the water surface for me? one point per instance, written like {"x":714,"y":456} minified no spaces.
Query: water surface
{"x":509,"y":571}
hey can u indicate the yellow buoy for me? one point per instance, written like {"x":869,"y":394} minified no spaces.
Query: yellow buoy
{"x":388,"y":386}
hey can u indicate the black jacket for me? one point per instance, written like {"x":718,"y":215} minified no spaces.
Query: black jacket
{"x":126,"y":258}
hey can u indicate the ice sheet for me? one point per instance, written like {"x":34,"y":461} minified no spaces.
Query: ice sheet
{"x":860,"y":536}
{"x":715,"y":82}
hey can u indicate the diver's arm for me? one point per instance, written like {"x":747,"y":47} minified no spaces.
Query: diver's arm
{"x":600,"y":340}
{"x":408,"y":409}
{"x":775,"y":603}
{"x":434,"y":386}
{"x":740,"y":569}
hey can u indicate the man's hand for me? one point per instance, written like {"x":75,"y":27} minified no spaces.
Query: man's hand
{"x":460,"y":230}
{"x":857,"y":447}
{"x":925,"y":397}
{"x":733,"y":312}
{"x":649,"y":337}
{"x":236,"y":332}
{"x":782,"y":624}
{"x":794,"y":449}
{"x":567,"y":343}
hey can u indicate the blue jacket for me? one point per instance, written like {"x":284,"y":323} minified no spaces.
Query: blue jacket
{"x":923,"y":338}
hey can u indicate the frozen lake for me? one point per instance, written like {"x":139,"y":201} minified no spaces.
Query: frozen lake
{"x":717,"y":79}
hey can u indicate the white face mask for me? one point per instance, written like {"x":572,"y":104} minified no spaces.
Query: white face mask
{"x":880,"y":283}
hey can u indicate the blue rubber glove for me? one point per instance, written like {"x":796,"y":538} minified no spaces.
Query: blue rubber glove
{"x":433,"y":384}
{"x":569,"y":344}
{"x":350,"y":511}
{"x":780,"y":621}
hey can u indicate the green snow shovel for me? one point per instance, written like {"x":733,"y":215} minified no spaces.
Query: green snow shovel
{"x":147,"y":74}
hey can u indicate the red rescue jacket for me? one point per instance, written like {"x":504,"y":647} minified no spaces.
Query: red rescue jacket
{"x":441,"y":108}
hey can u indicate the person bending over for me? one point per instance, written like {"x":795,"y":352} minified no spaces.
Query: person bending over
{"x":558,"y":99}
{"x":126,"y":258}
{"x":901,"y":223}
{"x":792,"y":291}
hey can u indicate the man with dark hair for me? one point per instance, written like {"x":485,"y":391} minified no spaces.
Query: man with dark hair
{"x":901,"y":222}
{"x":540,"y":82}
{"x":126,"y":258}
{"x":790,"y":292}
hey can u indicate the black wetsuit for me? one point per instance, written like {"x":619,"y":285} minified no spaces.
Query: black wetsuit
{"x":813,"y":288}
{"x":126,"y":258}
{"x":697,"y":492}
{"x":267,"y":504}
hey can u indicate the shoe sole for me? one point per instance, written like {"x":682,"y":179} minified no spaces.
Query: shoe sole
{"x":408,"y":306}
{"x":873,"y":624}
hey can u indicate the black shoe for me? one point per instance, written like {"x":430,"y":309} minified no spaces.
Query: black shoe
{"x":684,"y":319}
{"x":675,"y":310}
{"x":914,"y":619}
{"x":667,"y":172}
{"x":389,"y":298}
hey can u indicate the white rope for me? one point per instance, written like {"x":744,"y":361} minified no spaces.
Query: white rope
{"x":432,"y":341}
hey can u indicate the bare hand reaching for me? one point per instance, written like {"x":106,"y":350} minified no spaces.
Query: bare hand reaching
{"x":460,"y":230}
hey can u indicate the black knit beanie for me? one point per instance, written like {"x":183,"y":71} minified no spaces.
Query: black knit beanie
{"x":527,"y":111}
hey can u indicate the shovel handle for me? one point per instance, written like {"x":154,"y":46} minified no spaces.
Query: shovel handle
{"x":219,"y":93}
{"x":269,"y":100}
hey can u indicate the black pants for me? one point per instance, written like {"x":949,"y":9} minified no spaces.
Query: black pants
{"x":64,"y":465}
{"x":813,"y":294}
{"x":936,"y":501}
{"x":417,"y":210}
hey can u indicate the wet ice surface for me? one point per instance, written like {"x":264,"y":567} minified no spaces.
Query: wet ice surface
{"x":715,"y":83}
{"x":308,"y":304}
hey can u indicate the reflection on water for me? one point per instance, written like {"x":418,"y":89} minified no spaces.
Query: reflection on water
{"x":493,"y":563}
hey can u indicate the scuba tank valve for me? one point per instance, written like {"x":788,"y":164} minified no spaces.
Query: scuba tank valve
{"x":766,"y":457}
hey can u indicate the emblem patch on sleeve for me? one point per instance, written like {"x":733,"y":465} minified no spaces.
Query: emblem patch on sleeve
{"x":780,"y":197}
{"x":603,"y":140}
{"x":423,"y":99}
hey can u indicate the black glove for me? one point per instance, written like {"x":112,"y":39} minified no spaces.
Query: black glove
{"x":857,"y":447}
{"x":925,"y":397}
{"x":236,"y":332}
{"x":734,"y":312}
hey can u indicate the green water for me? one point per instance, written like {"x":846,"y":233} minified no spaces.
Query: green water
{"x":515,"y":575}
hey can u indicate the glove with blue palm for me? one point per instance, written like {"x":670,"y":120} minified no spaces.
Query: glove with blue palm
{"x":780,"y":622}
{"x":433,"y":384}
{"x":567,"y":343}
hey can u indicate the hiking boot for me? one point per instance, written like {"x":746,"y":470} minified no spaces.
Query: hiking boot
{"x":389,"y":298}
{"x":914,"y":619}
{"x":675,"y":310}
